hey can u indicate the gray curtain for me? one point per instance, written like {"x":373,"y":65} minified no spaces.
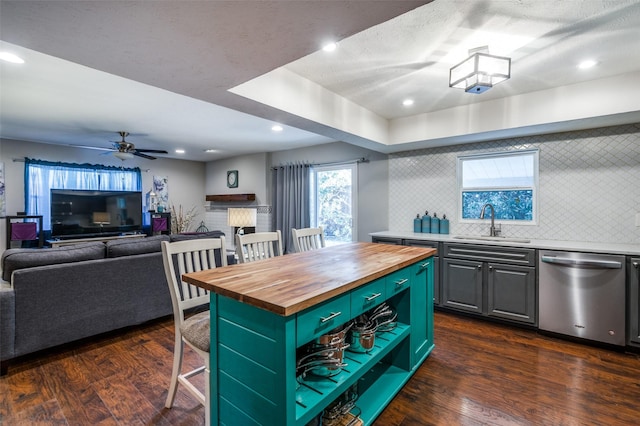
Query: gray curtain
{"x":290,"y":200}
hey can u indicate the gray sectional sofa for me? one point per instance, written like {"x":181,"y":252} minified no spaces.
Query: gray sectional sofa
{"x":53,"y":296}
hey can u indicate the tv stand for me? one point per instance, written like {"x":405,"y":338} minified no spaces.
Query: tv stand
{"x":59,"y":243}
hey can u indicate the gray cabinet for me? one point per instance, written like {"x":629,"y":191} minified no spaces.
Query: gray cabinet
{"x":492,"y":281}
{"x":462,"y":285}
{"x":633,"y":275}
{"x":511,"y":292}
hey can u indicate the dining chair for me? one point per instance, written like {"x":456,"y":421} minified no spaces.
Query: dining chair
{"x":261,"y":245}
{"x":307,"y":238}
{"x":179,"y":258}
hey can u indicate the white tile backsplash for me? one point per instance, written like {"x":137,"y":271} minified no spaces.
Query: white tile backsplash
{"x":589,"y":185}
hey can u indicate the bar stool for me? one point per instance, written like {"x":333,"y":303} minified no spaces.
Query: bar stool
{"x":191,"y":256}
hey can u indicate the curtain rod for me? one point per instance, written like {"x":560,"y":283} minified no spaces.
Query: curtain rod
{"x":21,"y":160}
{"x":335,"y":163}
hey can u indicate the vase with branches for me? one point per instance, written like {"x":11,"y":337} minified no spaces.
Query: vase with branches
{"x":181,"y":219}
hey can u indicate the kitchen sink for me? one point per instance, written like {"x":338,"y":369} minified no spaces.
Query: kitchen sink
{"x":488,"y":238}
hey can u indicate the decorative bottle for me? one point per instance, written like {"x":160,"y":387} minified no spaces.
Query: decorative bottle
{"x":435,"y":224}
{"x":426,"y":222}
{"x":444,"y":224}
{"x":417,"y":224}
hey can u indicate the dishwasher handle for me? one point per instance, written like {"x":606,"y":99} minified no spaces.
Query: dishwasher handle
{"x":587,"y":263}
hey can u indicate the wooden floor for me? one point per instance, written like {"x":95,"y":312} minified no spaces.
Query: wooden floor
{"x":480,"y":373}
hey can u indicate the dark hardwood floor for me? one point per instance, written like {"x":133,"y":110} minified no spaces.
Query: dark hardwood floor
{"x":480,"y":373}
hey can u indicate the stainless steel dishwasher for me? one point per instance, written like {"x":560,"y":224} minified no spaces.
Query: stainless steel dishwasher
{"x":582,"y":295}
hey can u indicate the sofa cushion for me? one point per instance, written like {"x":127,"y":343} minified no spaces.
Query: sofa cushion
{"x":131,"y":246}
{"x":13,"y":259}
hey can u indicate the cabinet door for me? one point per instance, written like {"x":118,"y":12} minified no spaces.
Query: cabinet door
{"x":436,"y":265}
{"x":421,"y":311}
{"x":634,"y":301}
{"x":511,"y":292}
{"x":462,"y":285}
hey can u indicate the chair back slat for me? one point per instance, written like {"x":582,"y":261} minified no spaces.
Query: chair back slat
{"x":258,"y":246}
{"x":183,"y":257}
{"x":307,"y":239}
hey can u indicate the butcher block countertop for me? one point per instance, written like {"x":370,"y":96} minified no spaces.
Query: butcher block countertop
{"x":286,"y":285}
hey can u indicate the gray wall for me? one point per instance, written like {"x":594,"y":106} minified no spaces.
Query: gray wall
{"x":255,"y":177}
{"x":186,"y":179}
{"x":373,"y":188}
{"x":589,"y":185}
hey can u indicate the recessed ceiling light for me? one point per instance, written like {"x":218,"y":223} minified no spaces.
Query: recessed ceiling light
{"x":179,"y":151}
{"x":10,"y":57}
{"x":277,"y":128}
{"x":330,"y":47}
{"x":407,"y":102}
{"x":587,"y":64}
{"x":210,"y":151}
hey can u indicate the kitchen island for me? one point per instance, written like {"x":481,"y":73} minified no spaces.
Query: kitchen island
{"x":263,"y":312}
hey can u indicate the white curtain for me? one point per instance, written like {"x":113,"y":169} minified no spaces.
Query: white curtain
{"x":42,"y":176}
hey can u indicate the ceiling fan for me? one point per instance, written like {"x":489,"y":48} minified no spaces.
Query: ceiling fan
{"x":126,"y":150}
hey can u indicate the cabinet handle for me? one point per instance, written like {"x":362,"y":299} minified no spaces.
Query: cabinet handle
{"x":479,"y":267}
{"x":424,"y":266}
{"x":491,"y":268}
{"x":401,"y":282}
{"x":330,"y":317}
{"x":372,"y":297}
{"x":636,"y":264}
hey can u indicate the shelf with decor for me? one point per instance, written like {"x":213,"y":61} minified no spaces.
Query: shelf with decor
{"x":159,"y":223}
{"x":20,"y":230}
{"x":229,"y":198}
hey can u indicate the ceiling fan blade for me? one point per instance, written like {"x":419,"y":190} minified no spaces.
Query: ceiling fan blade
{"x":89,"y":147}
{"x":139,"y":154}
{"x":156,"y":151}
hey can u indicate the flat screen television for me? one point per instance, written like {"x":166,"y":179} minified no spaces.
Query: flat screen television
{"x":87,"y":213}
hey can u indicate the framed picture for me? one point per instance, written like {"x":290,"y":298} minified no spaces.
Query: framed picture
{"x":232,"y":179}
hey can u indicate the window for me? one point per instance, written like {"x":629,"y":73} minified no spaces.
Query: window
{"x":333,"y":202}
{"x":42,"y":176}
{"x":508,"y":181}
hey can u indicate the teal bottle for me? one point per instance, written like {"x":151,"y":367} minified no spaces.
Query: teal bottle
{"x":435,"y":224}
{"x":426,"y":222}
{"x":417,"y":224}
{"x":444,"y":224}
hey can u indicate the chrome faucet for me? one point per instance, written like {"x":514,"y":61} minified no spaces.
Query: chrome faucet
{"x":492,"y":230}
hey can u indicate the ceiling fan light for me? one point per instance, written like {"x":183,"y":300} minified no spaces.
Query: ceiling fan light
{"x":123,"y":155}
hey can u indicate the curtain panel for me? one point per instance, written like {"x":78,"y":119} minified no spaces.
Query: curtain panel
{"x":291,"y":203}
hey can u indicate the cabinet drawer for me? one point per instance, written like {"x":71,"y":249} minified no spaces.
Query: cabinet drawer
{"x":397,"y":281}
{"x":322,"y":318}
{"x":422,"y":243}
{"x":367,"y":297}
{"x":383,"y":240}
{"x":488,"y":253}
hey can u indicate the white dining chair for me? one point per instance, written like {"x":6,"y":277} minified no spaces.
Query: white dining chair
{"x":179,"y":258}
{"x":261,"y":245}
{"x":307,"y":239}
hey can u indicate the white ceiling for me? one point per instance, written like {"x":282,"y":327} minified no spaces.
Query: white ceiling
{"x":218,"y":74}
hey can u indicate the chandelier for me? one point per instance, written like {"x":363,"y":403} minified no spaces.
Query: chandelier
{"x":480,"y":71}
